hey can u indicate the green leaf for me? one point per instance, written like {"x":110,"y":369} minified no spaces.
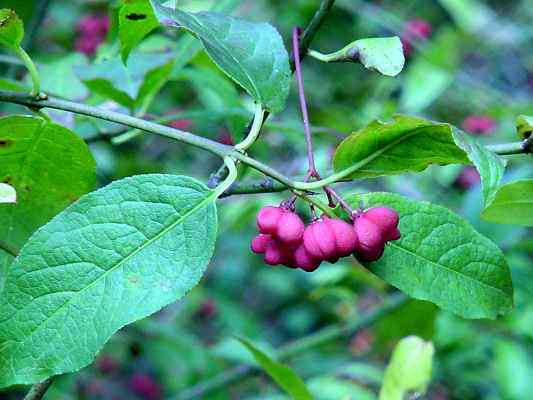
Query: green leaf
{"x":48,"y":165}
{"x":251,"y":53}
{"x":524,"y":126}
{"x":489,"y":165}
{"x":117,"y":255}
{"x":285,"y":377}
{"x":187,"y":47}
{"x":136,"y":19}
{"x":129,"y":85}
{"x":11,"y":29}
{"x":442,"y":259}
{"x":409,"y":369}
{"x":513,"y":204}
{"x":407,"y":144}
{"x":384,"y":55}
{"x":410,"y":144}
{"x":8,"y":194}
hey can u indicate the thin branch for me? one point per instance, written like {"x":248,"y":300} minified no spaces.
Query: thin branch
{"x":182,"y":136}
{"x":201,"y":142}
{"x":299,"y":346}
{"x":38,"y":390}
{"x":311,"y":170}
{"x":506,"y":149}
{"x":267,"y":185}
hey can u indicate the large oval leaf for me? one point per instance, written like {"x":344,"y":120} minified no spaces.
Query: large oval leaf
{"x":48,"y":165}
{"x":513,"y":204}
{"x":442,"y":259}
{"x":409,"y":144}
{"x":251,"y":53}
{"x":117,"y":255}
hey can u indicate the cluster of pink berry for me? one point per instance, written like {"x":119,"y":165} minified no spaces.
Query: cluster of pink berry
{"x":92,"y":32}
{"x":285,"y":240}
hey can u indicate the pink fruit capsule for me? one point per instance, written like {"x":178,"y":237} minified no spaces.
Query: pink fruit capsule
{"x":267,"y":219}
{"x":369,"y":236}
{"x":276,"y":253}
{"x":290,"y":228}
{"x":393,"y":235}
{"x":345,"y":237}
{"x":304,"y":260}
{"x":259,"y":243}
{"x":319,"y":240}
{"x":386,"y":218}
{"x":371,"y":254}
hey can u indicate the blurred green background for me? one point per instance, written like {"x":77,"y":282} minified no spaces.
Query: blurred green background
{"x":473,"y":58}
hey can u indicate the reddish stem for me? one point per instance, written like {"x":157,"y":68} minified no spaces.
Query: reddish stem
{"x":311,"y":171}
{"x":344,"y":204}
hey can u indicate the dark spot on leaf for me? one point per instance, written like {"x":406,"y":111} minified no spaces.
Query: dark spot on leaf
{"x":5,"y":142}
{"x":7,"y":179}
{"x":27,"y":188}
{"x":136,"y":17}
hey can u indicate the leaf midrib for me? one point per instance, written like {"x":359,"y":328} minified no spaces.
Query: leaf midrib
{"x":117,"y":265}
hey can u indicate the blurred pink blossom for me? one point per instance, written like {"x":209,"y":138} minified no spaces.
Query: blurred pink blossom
{"x":107,"y":364}
{"x":92,"y":31}
{"x":415,"y":30}
{"x":225,"y":138}
{"x":478,"y":125}
{"x":144,"y":386}
{"x":468,"y":178}
{"x":181,"y":124}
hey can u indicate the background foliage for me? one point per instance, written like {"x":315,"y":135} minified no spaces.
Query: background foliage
{"x":478,"y":60}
